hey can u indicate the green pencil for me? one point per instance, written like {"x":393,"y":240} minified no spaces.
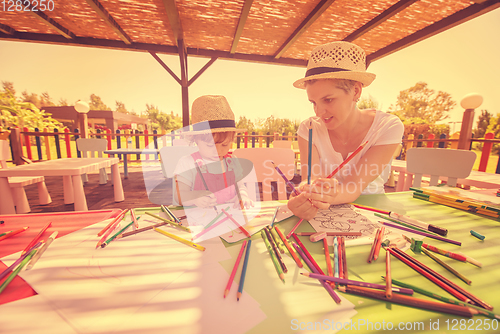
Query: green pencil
{"x":171,"y":222}
{"x":17,"y":270}
{"x":444,"y":299}
{"x":446,"y":266}
{"x":279,"y":270}
{"x":105,"y":243}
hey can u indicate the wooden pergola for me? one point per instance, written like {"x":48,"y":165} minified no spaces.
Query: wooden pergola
{"x":271,"y":31}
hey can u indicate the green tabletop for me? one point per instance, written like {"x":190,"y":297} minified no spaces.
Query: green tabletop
{"x":264,"y":285}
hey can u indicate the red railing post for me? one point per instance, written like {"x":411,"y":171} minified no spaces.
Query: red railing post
{"x":246,"y":139}
{"x":27,"y":143}
{"x":485,"y":153}
{"x":430,"y":143}
{"x":67,"y":142}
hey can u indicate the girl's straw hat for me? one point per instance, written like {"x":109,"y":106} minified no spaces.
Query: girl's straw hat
{"x":337,"y":60}
{"x":212,"y":113}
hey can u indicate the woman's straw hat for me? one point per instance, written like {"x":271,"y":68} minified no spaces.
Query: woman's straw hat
{"x":337,"y":60}
{"x":212,"y":113}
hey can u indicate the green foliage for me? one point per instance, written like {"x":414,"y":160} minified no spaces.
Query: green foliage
{"x":367,"y":103}
{"x":422,"y":102}
{"x":14,"y":112}
{"x":482,"y":124}
{"x":245,"y":123}
{"x":162,"y":121}
{"x":120,"y":107}
{"x":97,"y":104}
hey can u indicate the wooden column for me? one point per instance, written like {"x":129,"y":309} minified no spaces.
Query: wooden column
{"x":464,"y":140}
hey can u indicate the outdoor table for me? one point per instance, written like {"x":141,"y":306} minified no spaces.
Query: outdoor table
{"x":126,"y":151}
{"x":71,"y":170}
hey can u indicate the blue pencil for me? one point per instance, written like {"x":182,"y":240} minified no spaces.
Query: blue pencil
{"x":244,"y":270}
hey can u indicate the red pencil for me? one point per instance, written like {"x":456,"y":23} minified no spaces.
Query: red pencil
{"x":329,"y":267}
{"x":235,"y":268}
{"x":309,"y":256}
{"x":347,"y":160}
{"x":119,"y":217}
{"x":372,"y":250}
{"x":34,"y":241}
{"x":379,"y":243}
{"x":11,"y":233}
{"x":236,"y":223}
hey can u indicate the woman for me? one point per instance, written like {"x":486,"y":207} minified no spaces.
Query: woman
{"x":336,"y":74}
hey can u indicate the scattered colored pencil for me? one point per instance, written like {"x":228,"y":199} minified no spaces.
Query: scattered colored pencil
{"x":290,"y":249}
{"x":306,"y":252}
{"x":293,"y":229}
{"x":275,"y":249}
{"x":372,"y":250}
{"x":142,"y":229}
{"x":369,"y":208}
{"x":235,"y":268}
{"x":17,"y":270}
{"x":12,"y":233}
{"x":110,"y":230}
{"x":344,"y":258}
{"x":273,"y":257}
{"x":451,"y":255}
{"x":134,"y":219}
{"x":237,"y":224}
{"x":447,"y":267}
{"x":206,"y":230}
{"x":113,"y":237}
{"x":353,"y":154}
{"x":36,"y":238}
{"x":171,"y":214}
{"x":16,"y":263}
{"x":244,"y":271}
{"x":181,"y":240}
{"x":171,"y":222}
{"x":277,"y":240}
{"x":336,"y":268}
{"x":338,"y":234}
{"x":41,"y":250}
{"x":274,"y":216}
{"x":117,"y":218}
{"x":428,"y":227}
{"x":388,"y":282}
{"x":437,"y":237}
{"x":403,"y":223}
{"x":329,"y":266}
{"x":379,"y":243}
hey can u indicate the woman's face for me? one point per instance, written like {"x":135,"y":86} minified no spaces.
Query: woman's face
{"x":211,"y":151}
{"x":332,"y":104}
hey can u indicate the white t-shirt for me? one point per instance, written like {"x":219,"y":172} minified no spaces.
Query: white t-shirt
{"x":386,"y":129}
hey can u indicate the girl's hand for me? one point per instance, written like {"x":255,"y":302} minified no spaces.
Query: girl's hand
{"x":205,"y":201}
{"x":321,"y":192}
{"x":245,"y":201}
{"x":302,"y":207}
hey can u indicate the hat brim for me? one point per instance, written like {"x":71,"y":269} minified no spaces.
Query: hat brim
{"x":365,"y":78}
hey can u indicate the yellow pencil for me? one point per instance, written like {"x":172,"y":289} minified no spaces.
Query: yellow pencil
{"x":184,"y":241}
{"x":171,"y":222}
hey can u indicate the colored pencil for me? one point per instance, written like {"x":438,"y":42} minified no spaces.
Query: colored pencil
{"x":41,"y":250}
{"x":12,"y":233}
{"x":215,"y":219}
{"x":177,"y":190}
{"x":328,"y":287}
{"x":388,"y":282}
{"x":412,"y":301}
{"x":274,"y":216}
{"x":446,"y":266}
{"x":16,"y":263}
{"x":429,"y":227}
{"x":290,"y":249}
{"x":4,"y":233}
{"x":110,"y":230}
{"x":369,"y":208}
{"x":244,"y":270}
{"x":293,"y":229}
{"x":113,"y":237}
{"x":309,"y":153}
{"x":290,"y":184}
{"x":338,"y":234}
{"x":456,"y":205}
{"x":181,"y":240}
{"x":210,"y":228}
{"x":275,"y":250}
{"x":142,"y":229}
{"x":36,"y":238}
{"x":472,"y":261}
{"x":403,"y":223}
{"x":235,"y":268}
{"x":134,"y":218}
{"x":171,"y":222}
{"x":237,"y":224}
{"x":379,"y":243}
{"x":171,"y":214}
{"x":344,"y":281}
{"x":443,"y":298}
{"x":451,"y":255}
{"x":273,"y":257}
{"x":437,"y":237}
{"x":277,"y":240}
{"x":336,"y":268}
{"x":329,"y":266}
{"x":306,"y":252}
{"x":344,"y":258}
{"x":353,"y":154}
{"x":454,"y":286}
{"x":117,"y":218}
{"x":372,"y":250}
{"x":340,"y":260}
{"x":17,"y":270}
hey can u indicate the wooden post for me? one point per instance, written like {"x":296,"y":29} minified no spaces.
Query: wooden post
{"x":84,"y":127}
{"x":466,"y":130}
{"x":17,"y":150}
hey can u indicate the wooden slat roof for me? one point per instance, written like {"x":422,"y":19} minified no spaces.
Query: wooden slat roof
{"x":270,"y":31}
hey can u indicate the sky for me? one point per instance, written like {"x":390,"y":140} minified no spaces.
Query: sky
{"x":459,"y":61}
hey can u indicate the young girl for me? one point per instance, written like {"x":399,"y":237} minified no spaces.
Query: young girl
{"x":210,"y":176}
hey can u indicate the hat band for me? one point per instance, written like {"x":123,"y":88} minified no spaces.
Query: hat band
{"x":220,"y":123}
{"x":321,"y":70}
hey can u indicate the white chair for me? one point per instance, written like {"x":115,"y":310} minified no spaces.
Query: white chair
{"x":438,"y":162}
{"x":169,"y":156}
{"x":17,"y":184}
{"x":282,"y":144}
{"x":262,"y":159}
{"x":92,"y":148}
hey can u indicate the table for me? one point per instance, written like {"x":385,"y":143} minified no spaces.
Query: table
{"x":126,"y":151}
{"x":71,"y":170}
{"x":476,"y":178}
{"x":286,"y":311}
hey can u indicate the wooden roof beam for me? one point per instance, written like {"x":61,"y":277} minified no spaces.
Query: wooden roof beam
{"x":451,"y":21}
{"x":203,"y":69}
{"x":103,"y":13}
{"x":165,"y":66}
{"x":174,"y":19}
{"x":53,"y":24}
{"x":6,"y":29}
{"x":320,"y":8}
{"x":379,"y":19}
{"x":241,"y":24}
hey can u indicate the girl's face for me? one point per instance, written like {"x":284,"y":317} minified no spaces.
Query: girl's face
{"x":212,"y":151}
{"x":332,"y":104}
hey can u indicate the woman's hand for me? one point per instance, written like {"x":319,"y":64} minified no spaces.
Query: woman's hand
{"x":321,"y":192}
{"x":302,"y":207}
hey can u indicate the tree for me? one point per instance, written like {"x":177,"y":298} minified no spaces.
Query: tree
{"x":46,"y":100}
{"x":367,"y":103}
{"x":97,"y":104}
{"x":424,"y":103}
{"x":161,"y":120}
{"x":120,"y":107}
{"x":245,"y":123}
{"x":482,"y":124}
